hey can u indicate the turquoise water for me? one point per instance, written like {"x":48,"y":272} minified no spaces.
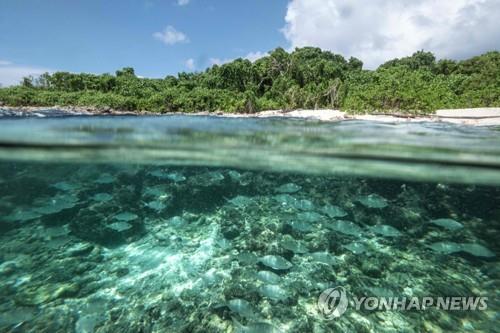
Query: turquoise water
{"x":200,"y":224}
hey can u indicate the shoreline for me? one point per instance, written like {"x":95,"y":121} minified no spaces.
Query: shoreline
{"x":471,"y":117}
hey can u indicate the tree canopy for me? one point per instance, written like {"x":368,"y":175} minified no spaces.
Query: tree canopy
{"x":305,"y":78}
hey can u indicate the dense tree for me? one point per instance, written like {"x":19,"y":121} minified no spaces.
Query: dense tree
{"x":126,"y":71}
{"x":419,"y":60}
{"x":305,"y":78}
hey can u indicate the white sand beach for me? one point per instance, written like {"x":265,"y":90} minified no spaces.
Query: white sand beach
{"x":472,"y":116}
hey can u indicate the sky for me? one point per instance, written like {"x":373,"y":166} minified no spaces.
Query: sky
{"x":164,"y":37}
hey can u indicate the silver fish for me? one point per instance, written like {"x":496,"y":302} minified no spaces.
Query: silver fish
{"x":241,"y":307}
{"x":120,"y":226}
{"x":385,"y":230}
{"x":449,"y":224}
{"x":373,"y":201}
{"x":289,"y":188}
{"x":356,"y":247}
{"x":268,"y":277}
{"x":333,"y":211}
{"x":125,"y":217}
{"x":302,"y":226}
{"x":275,"y":262}
{"x":345,"y":227}
{"x":273,"y":292}
{"x":294,"y":246}
{"x":323,"y":257}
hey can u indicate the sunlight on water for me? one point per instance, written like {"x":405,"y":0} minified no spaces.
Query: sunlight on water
{"x":241,"y":225}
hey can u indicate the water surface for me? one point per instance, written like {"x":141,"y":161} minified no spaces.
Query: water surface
{"x":200,"y":224}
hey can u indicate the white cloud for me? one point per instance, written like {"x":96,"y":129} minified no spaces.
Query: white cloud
{"x":12,"y":74}
{"x":190,"y":64}
{"x":252,"y":56}
{"x":219,"y":61}
{"x":171,"y":36}
{"x":378,"y":30}
{"x":182,"y":2}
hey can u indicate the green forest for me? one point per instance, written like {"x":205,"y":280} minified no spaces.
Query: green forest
{"x":307,"y":78}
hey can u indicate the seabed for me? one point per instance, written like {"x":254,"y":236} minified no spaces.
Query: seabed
{"x":124,"y":248}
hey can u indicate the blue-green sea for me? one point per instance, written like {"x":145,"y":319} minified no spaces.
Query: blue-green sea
{"x":213,"y":224}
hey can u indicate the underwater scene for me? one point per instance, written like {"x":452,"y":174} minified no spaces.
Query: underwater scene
{"x":177,"y":229}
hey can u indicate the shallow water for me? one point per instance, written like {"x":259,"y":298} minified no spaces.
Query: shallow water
{"x":196,"y":224}
{"x":417,"y":151}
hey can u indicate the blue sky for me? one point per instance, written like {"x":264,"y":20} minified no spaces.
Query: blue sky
{"x":163,"y":37}
{"x":101,"y":36}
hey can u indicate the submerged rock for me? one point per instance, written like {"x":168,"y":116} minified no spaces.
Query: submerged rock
{"x":258,"y":327}
{"x":212,"y":277}
{"x":87,"y":323}
{"x":204,"y":253}
{"x":16,"y":316}
{"x":55,"y":232}
{"x":373,"y":201}
{"x":446,"y":223}
{"x":46,"y":293}
{"x":275,"y":262}
{"x":371,"y":268}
